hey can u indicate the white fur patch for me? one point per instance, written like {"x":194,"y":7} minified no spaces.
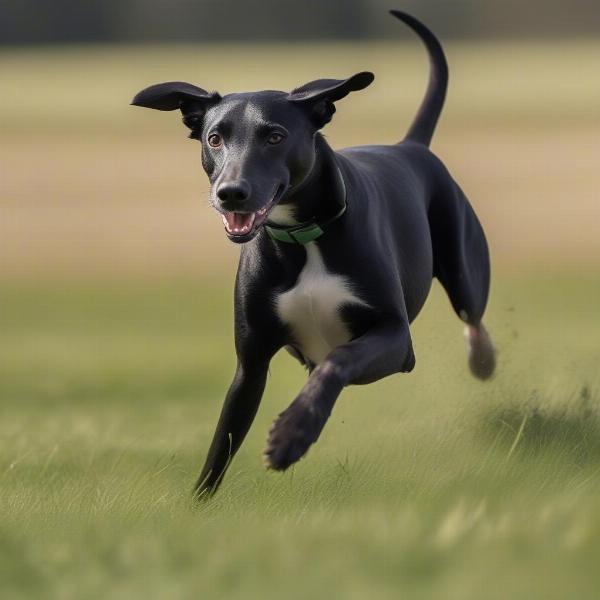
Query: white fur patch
{"x":312,"y":307}
{"x":283,"y":215}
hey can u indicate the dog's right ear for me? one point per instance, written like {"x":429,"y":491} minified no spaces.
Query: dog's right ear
{"x":318,"y":97}
{"x":175,"y":94}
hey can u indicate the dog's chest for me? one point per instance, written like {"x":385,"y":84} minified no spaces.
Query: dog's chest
{"x":311,"y":309}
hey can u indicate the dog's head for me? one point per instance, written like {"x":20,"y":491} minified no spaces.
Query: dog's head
{"x":256,"y":147}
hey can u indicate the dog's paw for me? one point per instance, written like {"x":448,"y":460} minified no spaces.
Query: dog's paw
{"x":481,"y":352}
{"x":291,"y":435}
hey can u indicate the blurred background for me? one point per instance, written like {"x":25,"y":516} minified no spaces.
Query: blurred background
{"x":115,"y":303}
{"x":91,"y":184}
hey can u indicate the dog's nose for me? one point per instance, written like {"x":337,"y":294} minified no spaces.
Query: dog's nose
{"x":233,"y":194}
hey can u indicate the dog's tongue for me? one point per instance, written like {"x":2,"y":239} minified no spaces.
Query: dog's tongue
{"x":238,"y":223}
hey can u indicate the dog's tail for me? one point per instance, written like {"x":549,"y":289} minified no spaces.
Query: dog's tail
{"x":424,"y":123}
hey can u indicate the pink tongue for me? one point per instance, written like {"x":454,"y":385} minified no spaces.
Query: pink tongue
{"x":239,"y":223}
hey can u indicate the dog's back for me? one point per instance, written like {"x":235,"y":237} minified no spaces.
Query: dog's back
{"x":341,"y":279}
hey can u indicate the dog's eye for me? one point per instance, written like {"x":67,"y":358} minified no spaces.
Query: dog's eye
{"x":275,"y":138}
{"x":214,"y":140}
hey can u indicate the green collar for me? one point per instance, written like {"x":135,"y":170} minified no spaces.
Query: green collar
{"x":306,"y":232}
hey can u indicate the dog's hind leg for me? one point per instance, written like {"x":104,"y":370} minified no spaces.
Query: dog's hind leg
{"x":461,"y":264}
{"x":480,"y":351}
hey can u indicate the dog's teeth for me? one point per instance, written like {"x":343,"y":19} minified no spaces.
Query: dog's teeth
{"x":238,"y":223}
{"x":264,"y":209}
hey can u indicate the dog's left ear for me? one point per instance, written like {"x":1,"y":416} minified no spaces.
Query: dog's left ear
{"x":175,"y":94}
{"x":319,"y":96}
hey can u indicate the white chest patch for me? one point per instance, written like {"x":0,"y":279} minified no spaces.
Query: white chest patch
{"x":311,"y":309}
{"x":283,"y":214}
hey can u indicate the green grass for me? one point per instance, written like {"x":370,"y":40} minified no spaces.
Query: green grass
{"x":428,"y":485}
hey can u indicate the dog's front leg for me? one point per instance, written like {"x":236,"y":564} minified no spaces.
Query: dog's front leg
{"x":237,"y":414}
{"x":382,"y":351}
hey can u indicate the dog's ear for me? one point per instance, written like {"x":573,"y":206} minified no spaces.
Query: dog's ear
{"x":173,"y":95}
{"x":319,"y":96}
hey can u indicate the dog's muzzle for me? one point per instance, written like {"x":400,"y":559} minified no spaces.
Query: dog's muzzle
{"x":241,"y":227}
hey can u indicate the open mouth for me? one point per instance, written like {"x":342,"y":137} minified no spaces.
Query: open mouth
{"x":241,"y":227}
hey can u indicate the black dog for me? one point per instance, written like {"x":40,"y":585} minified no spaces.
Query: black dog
{"x":340,"y":247}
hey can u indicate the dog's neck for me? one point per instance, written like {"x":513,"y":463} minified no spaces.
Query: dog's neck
{"x":319,"y":196}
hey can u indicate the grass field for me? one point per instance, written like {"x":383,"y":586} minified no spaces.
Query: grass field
{"x":116,"y":350}
{"x":428,"y":485}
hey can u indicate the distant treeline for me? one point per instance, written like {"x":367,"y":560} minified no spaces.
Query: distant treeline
{"x":64,"y":21}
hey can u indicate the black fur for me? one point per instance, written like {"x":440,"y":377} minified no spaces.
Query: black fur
{"x":406,"y":222}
